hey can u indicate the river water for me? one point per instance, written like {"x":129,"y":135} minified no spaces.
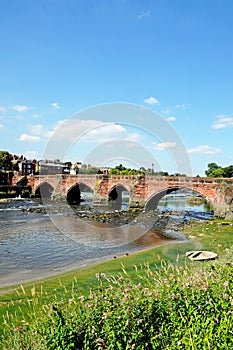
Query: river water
{"x":38,"y":244}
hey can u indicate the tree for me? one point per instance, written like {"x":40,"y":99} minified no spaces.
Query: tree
{"x":217,"y":173}
{"x":214,"y":170}
{"x":121,"y":170}
{"x":5,"y":160}
{"x":228,"y":171}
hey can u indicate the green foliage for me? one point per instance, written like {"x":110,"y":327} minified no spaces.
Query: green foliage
{"x":5,"y":160}
{"x":215,"y":170}
{"x":228,"y":171}
{"x":121,"y":170}
{"x":168,"y":308}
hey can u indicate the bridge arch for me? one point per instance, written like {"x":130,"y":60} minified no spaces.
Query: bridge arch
{"x":44,"y":190}
{"x":75,"y":194}
{"x":153,"y":200}
{"x":115,"y":195}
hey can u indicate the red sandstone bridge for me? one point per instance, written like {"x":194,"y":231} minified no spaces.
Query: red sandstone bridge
{"x":144,"y":191}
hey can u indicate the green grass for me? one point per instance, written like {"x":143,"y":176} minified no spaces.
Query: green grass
{"x":25,"y":306}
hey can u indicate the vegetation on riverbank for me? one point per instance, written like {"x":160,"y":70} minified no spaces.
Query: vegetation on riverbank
{"x":157,"y":299}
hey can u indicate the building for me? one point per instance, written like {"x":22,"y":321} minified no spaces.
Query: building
{"x":53,"y":167}
{"x":25,"y":166}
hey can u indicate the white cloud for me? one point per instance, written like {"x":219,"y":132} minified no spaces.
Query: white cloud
{"x":35,"y":116}
{"x":204,"y":150}
{"x":55,"y":105}
{"x":92,"y":131}
{"x":223,"y":121}
{"x":108,"y":132}
{"x":20,"y":108}
{"x":1,"y":126}
{"x":37,"y":129}
{"x":171,"y":119}
{"x":29,"y":138}
{"x":151,"y":100}
{"x":40,"y":130}
{"x":2,"y":109}
{"x":164,"y":145}
{"x":144,"y":14}
{"x":166,"y":110}
{"x":182,"y":106}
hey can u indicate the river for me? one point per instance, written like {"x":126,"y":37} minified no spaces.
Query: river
{"x":36,"y":244}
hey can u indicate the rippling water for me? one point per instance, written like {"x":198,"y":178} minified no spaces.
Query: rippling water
{"x":34,"y":245}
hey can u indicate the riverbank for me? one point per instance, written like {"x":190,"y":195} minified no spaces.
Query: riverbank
{"x":38,"y":241}
{"x":214,"y":235}
{"x":135,"y":269}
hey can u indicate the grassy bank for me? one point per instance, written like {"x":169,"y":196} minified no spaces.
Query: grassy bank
{"x":125,"y":293}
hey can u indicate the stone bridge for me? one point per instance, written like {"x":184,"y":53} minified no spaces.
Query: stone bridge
{"x":144,"y":191}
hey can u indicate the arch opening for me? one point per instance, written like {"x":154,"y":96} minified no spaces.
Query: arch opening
{"x":119,"y":197}
{"x":44,"y":190}
{"x":175,"y":197}
{"x":79,"y":193}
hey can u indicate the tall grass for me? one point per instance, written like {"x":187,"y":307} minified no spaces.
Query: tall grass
{"x":171,"y":307}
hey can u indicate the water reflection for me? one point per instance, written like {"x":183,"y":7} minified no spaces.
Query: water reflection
{"x":180,"y":200}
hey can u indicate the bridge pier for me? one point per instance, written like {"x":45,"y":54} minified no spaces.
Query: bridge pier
{"x":108,"y":188}
{"x":100,"y":197}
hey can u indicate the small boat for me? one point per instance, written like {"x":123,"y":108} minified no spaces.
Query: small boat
{"x":201,"y":255}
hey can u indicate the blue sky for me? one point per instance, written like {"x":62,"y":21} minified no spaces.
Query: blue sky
{"x":175,"y":57}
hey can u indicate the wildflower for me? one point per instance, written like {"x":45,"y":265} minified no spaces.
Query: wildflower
{"x":226,"y":284}
{"x":99,"y":341}
{"x":217,"y":320}
{"x":105,"y":315}
{"x":19,"y":329}
{"x":139,"y":285}
{"x":204,"y":287}
{"x":89,"y":305}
